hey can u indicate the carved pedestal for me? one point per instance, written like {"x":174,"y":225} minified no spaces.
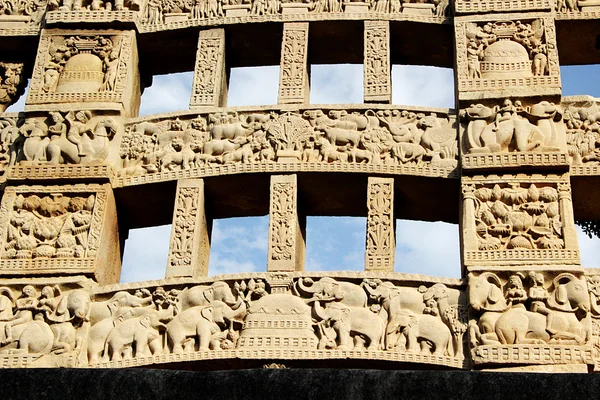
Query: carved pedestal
{"x":86,"y":69}
{"x":294,"y":77}
{"x":381,"y":240}
{"x":190,"y":236}
{"x":60,"y":230}
{"x":377,"y":78}
{"x":286,"y":227}
{"x":210,"y":80}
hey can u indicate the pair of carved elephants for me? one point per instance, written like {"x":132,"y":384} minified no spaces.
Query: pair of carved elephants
{"x":567,"y":312}
{"x":409,"y":330}
{"x":57,"y":332}
{"x":513,"y":129}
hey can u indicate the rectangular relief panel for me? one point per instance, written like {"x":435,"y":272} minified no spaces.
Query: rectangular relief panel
{"x":381,"y":238}
{"x":506,"y":55}
{"x":581,"y":115}
{"x":287,"y":228}
{"x":377,"y":70}
{"x":513,"y":133}
{"x":89,"y":69}
{"x":293,"y":78}
{"x":189,"y":250}
{"x":491,"y":6}
{"x":60,"y":230}
{"x":210,"y":81}
{"x":516,"y":220}
{"x":530,"y":317}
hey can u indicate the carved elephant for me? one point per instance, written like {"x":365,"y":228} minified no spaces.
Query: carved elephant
{"x":105,"y":309}
{"x":99,"y":332}
{"x":448,"y":301}
{"x":424,"y":329}
{"x":36,"y":140}
{"x":34,"y":337}
{"x":325,"y":288}
{"x":203,"y":295}
{"x":199,"y":323}
{"x":139,"y":333}
{"x":72,"y":311}
{"x":351,"y":322}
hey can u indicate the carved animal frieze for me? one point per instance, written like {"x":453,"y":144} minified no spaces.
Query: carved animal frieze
{"x":532,"y":308}
{"x":384,"y":137}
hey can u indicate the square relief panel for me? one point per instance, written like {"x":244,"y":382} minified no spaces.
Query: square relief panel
{"x":58,"y":230}
{"x":518,"y":219}
{"x":95,"y":68}
{"x":513,"y":133}
{"x":530,"y":317}
{"x":506,"y":55}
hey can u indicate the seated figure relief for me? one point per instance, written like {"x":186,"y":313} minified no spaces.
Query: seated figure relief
{"x":529,"y":308}
{"x":513,"y":127}
{"x":386,"y":137}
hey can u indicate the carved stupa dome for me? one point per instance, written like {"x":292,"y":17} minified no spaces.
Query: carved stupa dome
{"x":278,"y":320}
{"x":82,"y":73}
{"x":505,"y":58}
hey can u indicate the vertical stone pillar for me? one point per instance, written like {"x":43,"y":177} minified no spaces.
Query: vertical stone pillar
{"x":190,"y":236}
{"x":377,"y":78}
{"x":293,"y":73}
{"x":286,"y":226}
{"x":468,"y":227}
{"x":210,"y":78}
{"x":566,"y":215}
{"x":381,"y":242}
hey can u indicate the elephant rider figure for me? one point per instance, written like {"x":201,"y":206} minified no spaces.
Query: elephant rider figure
{"x":515,"y":291}
{"x":431,"y":307}
{"x":539,"y":295}
{"x":26,"y":305}
{"x":49,"y":299}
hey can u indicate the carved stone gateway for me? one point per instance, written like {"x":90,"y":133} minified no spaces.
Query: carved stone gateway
{"x":514,"y":166}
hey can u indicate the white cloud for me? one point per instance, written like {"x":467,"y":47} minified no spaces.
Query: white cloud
{"x":336,"y":84}
{"x":252,"y":86}
{"x":168,"y":93}
{"x":423,"y":86}
{"x":146,"y":252}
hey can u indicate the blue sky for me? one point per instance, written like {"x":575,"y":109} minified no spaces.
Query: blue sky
{"x":240,"y":244}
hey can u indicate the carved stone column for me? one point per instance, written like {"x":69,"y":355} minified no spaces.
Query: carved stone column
{"x":190,"y":236}
{"x":381,"y":241}
{"x":287,"y":227}
{"x":377,"y":79}
{"x":294,"y":76}
{"x":210,"y":78}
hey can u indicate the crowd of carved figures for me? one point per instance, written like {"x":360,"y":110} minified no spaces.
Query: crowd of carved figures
{"x":325,"y":314}
{"x":583,"y":134}
{"x":513,"y":127}
{"x":500,"y":49}
{"x":515,"y":216}
{"x":156,"y":10}
{"x":49,"y":226}
{"x":382,"y":137}
{"x":530,"y":308}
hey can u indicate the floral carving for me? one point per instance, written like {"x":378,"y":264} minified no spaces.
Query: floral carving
{"x":184,"y":224}
{"x":283,"y":209}
{"x":380,"y":232}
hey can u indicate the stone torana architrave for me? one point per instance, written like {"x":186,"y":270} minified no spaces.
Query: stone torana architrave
{"x":514,"y":165}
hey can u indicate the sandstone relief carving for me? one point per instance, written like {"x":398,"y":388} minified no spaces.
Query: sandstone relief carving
{"x":583,"y":135}
{"x":43,"y":321}
{"x":95,"y":5}
{"x":49,"y":226}
{"x":384,"y":137}
{"x":529,"y":310}
{"x":12,"y":84}
{"x":504,"y":53}
{"x":317,"y":314}
{"x":62,"y":138}
{"x":512,"y":126}
{"x":27,"y":11}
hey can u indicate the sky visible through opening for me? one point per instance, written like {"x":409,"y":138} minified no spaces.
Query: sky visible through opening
{"x":333,"y":243}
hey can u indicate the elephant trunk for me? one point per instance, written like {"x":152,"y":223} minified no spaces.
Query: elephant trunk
{"x":319,"y":311}
{"x":306,"y":289}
